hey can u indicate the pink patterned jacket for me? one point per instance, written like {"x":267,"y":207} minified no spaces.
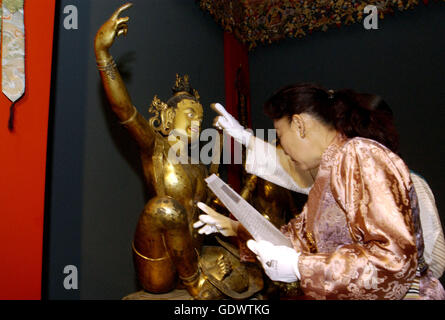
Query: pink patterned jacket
{"x":356,"y":231}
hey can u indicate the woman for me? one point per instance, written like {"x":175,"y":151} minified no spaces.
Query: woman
{"x":357,"y":236}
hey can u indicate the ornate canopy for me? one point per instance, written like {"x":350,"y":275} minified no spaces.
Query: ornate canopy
{"x":267,"y":21}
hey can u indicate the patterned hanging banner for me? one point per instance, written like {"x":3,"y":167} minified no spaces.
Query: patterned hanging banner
{"x":13,"y":53}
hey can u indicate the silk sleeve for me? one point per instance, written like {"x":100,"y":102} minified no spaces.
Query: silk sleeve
{"x":434,"y":252}
{"x":371,"y":186}
{"x":271,"y":163}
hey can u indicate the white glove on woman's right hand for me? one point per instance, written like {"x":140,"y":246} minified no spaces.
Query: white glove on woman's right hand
{"x":214,"y":222}
{"x":230,"y":125}
{"x":280,"y":263}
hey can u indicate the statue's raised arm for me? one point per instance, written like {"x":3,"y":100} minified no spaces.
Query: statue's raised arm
{"x":114,"y":86}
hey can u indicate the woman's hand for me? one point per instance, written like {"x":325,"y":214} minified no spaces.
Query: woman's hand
{"x":280,"y":263}
{"x":225,"y":121}
{"x":111,"y":29}
{"x":214,"y":222}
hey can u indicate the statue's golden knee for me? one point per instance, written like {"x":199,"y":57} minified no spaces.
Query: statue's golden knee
{"x":167,"y":213}
{"x":162,"y":213}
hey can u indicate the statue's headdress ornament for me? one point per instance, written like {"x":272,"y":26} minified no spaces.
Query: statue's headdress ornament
{"x":182,"y":86}
{"x":157,"y":108}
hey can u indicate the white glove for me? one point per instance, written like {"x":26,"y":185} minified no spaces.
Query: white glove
{"x":230,"y":125}
{"x":279,"y":262}
{"x":214,"y":222}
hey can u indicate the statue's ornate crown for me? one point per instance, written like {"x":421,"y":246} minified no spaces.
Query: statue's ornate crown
{"x":182,"y":86}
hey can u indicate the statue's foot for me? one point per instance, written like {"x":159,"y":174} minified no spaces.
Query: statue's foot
{"x":201,"y":289}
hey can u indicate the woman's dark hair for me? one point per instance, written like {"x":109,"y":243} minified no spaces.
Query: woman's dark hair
{"x":351,"y":113}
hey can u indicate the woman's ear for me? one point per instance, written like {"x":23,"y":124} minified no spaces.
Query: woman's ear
{"x":299,"y":125}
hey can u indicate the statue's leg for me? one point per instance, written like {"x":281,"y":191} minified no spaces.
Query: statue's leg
{"x":162,"y":246}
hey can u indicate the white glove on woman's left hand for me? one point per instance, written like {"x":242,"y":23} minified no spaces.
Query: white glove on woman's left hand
{"x":279,"y":262}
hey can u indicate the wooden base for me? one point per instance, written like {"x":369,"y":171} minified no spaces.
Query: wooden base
{"x":177,"y":294}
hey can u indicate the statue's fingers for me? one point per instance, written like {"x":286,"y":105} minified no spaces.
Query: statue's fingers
{"x":122,"y":29}
{"x":122,"y":9}
{"x":122,"y":26}
{"x":121,"y":21}
{"x":122,"y":32}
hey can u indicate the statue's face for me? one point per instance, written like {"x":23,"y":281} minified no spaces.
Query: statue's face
{"x":188,"y":119}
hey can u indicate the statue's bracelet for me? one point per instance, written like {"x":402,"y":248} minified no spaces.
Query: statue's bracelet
{"x":133,"y":116}
{"x":105,"y":64}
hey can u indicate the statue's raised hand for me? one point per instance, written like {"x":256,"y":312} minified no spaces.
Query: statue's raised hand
{"x":112,"y":28}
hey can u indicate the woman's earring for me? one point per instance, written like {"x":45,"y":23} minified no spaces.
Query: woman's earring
{"x":302,"y":132}
{"x":299,"y":126}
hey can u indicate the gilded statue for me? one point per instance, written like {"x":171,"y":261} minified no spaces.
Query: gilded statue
{"x":167,"y":251}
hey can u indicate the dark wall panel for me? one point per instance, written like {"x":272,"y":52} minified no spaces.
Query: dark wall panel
{"x":65,"y":152}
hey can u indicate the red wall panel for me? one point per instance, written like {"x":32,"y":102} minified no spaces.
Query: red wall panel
{"x":23,"y":162}
{"x":235,"y":55}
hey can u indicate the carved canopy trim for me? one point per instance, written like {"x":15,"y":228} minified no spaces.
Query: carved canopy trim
{"x":267,"y":21}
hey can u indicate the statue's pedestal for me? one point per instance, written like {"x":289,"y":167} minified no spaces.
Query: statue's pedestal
{"x":177,"y":294}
